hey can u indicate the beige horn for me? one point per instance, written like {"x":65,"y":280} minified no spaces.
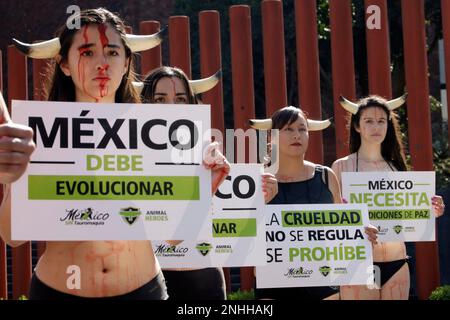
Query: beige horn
{"x":265,"y":124}
{"x":138,"y":86}
{"x":39,"y":50}
{"x":205,"y":84}
{"x":348,"y":105}
{"x":4,"y":114}
{"x":314,"y":125}
{"x":395,"y":103}
{"x":138,"y":43}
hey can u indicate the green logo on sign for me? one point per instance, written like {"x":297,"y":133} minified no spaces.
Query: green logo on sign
{"x":203,"y":248}
{"x":325,"y":270}
{"x":130,"y":214}
{"x":398,"y":229}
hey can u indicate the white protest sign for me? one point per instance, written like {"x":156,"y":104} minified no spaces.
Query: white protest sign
{"x":112,"y":172}
{"x":316,"y":245}
{"x":399,"y":202}
{"x":236,"y":222}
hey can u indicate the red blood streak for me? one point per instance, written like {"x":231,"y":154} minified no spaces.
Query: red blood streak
{"x":81,"y":74}
{"x":105,"y":41}
{"x":174,"y":88}
{"x":103,"y":38}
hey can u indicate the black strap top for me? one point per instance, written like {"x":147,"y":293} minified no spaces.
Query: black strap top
{"x":314,"y":190}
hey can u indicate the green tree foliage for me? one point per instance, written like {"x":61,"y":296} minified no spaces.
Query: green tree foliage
{"x":242,"y":295}
{"x":441,"y":293}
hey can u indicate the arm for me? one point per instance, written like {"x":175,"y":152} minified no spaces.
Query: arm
{"x":333,"y":183}
{"x":16,"y":146}
{"x":269,"y":186}
{"x":220,"y":168}
{"x":438,"y":205}
{"x":5,"y":218}
{"x":336,"y":167}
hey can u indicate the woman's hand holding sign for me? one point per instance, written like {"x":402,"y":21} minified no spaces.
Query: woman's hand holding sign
{"x":16,"y":146}
{"x":216,"y":161}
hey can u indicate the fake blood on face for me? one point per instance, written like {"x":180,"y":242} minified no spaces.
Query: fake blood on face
{"x":81,"y":73}
{"x":102,"y":77}
{"x":105,"y":41}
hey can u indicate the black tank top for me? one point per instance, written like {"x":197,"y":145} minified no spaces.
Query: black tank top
{"x":314,"y":190}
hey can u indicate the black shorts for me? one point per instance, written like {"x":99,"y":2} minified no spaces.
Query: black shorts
{"x":155,"y":289}
{"x":297,"y":293}
{"x":199,"y":284}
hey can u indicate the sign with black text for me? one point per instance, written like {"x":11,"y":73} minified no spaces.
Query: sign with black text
{"x":399,"y":202}
{"x":237,"y":224}
{"x":112,"y":172}
{"x":316,"y":245}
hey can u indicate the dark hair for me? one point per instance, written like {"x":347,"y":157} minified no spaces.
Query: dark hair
{"x":61,"y":87}
{"x":150,"y":82}
{"x":391,"y":147}
{"x":286,"y":116}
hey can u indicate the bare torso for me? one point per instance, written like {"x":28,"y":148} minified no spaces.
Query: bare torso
{"x":107,"y":268}
{"x":383,"y":251}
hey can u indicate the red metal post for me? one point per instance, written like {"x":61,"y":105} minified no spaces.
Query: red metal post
{"x":242,"y":65}
{"x":3,"y":273}
{"x":419,"y":123}
{"x":274,"y":57}
{"x":445,"y":11}
{"x":342,"y":67}
{"x":378,"y":52}
{"x":39,"y":68}
{"x":180,"y":44}
{"x":150,"y":59}
{"x":243,"y":91}
{"x":308,"y":71}
{"x":210,"y":62}
{"x":18,"y":89}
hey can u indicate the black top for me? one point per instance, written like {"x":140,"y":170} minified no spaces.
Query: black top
{"x":314,"y":190}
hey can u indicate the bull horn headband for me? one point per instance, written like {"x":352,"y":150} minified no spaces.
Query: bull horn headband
{"x":50,"y":48}
{"x":266,"y":124}
{"x":198,"y":86}
{"x":353,"y":107}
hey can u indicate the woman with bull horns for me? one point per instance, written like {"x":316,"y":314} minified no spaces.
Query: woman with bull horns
{"x":186,"y":91}
{"x":300,"y":182}
{"x":375,"y":145}
{"x":95,"y":64}
{"x":170,"y":85}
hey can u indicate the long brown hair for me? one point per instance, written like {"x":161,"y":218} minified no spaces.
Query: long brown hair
{"x":61,"y":87}
{"x":391,"y":147}
{"x":150,"y":82}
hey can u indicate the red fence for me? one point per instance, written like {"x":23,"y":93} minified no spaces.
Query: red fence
{"x":275,"y":87}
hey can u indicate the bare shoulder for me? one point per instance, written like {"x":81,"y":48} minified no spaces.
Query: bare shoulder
{"x":345,"y":163}
{"x":333,"y":184}
{"x":345,"y":159}
{"x":310,"y":165}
